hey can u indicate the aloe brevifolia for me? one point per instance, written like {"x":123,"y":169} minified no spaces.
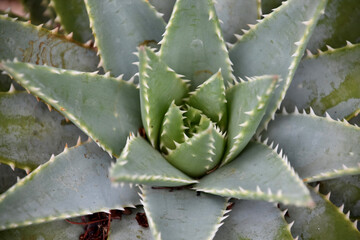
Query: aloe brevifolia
{"x":200,"y":103}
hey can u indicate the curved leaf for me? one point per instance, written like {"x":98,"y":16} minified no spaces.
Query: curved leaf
{"x":118,"y":31}
{"x":276,"y":45}
{"x":29,"y":43}
{"x":182,"y":214}
{"x":210,"y":98}
{"x":328,"y":149}
{"x":74,"y":183}
{"x":193,"y":43}
{"x":200,"y":153}
{"x":30,"y":133}
{"x":105,"y":108}
{"x":172,"y":128}
{"x":254,"y":220}
{"x":159,"y":86}
{"x":140,"y":163}
{"x":258,"y":173}
{"x":323,"y":220}
{"x":247,"y":103}
{"x":327,"y":82}
{"x":74,"y":18}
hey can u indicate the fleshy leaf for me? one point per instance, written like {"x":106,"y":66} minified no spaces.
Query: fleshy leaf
{"x":254,"y":220}
{"x":210,"y":98}
{"x":159,"y":86}
{"x":37,"y":45}
{"x":338,"y":25}
{"x":172,"y":128}
{"x":141,"y":163}
{"x":51,"y":230}
{"x":118,"y":32}
{"x":74,"y":18}
{"x":323,"y":220}
{"x":328,"y":149}
{"x":128,"y":228}
{"x":258,"y":173}
{"x":105,"y":108}
{"x":30,"y":133}
{"x":200,"y":153}
{"x":8,"y":176}
{"x":235,"y":15}
{"x":61,"y":189}
{"x":193,"y":43}
{"x":247,"y":103}
{"x":182,"y":214}
{"x":327,"y":82}
{"x":261,"y":51}
{"x":344,"y":191}
{"x":164,"y":7}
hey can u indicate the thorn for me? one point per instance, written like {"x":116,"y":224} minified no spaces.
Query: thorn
{"x":78,"y":143}
{"x":49,"y":107}
{"x":341,"y":208}
{"x":27,"y":170}
{"x":12,"y":165}
{"x":12,"y":89}
{"x":66,"y":147}
{"x":69,"y":36}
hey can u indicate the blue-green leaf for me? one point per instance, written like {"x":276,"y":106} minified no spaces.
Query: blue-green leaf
{"x":318,"y":148}
{"x":261,"y":51}
{"x":120,"y":26}
{"x":193,"y":43}
{"x":182,"y":214}
{"x":105,"y":108}
{"x":74,"y":183}
{"x":259,"y":172}
{"x":140,"y":163}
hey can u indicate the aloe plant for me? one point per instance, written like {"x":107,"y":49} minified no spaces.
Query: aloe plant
{"x":181,"y":125}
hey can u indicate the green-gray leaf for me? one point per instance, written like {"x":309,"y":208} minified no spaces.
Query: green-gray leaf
{"x":159,"y":86}
{"x":338,"y":25}
{"x":56,"y":230}
{"x":74,"y":183}
{"x":128,"y":228}
{"x":200,"y":153}
{"x":30,"y":133}
{"x":254,"y":220}
{"x":328,"y":149}
{"x":74,"y":18}
{"x":182,"y":214}
{"x":325,"y":219}
{"x":172,"y":129}
{"x":193,"y":43}
{"x":235,"y":15}
{"x":257,"y":173}
{"x":105,"y":108}
{"x":210,"y":98}
{"x":261,"y":51}
{"x":141,"y":163}
{"x":247,"y":103}
{"x":327,"y":82}
{"x":344,"y":190}
{"x":119,"y":27}
{"x":29,"y":43}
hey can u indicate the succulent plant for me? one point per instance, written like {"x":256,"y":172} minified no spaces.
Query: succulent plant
{"x":187,"y":117}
